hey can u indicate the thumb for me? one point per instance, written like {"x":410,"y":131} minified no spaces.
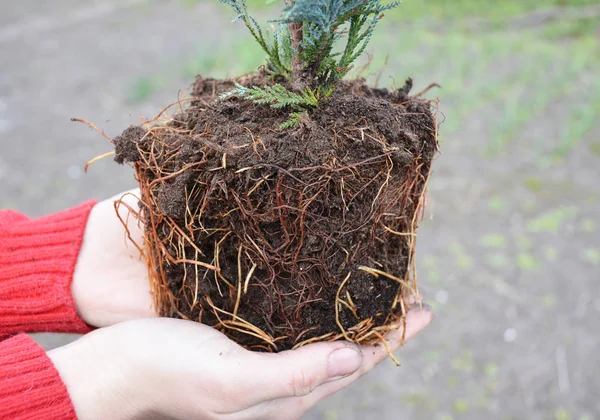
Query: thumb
{"x":297,"y":373}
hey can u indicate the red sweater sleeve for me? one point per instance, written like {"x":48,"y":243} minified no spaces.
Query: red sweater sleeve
{"x":37,"y":261}
{"x":30,"y":385}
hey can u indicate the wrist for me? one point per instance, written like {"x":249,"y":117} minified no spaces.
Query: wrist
{"x":97,"y":379}
{"x":88,"y":295}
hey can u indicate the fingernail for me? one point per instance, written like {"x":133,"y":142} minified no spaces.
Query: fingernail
{"x":420,"y":306}
{"x":343,"y":362}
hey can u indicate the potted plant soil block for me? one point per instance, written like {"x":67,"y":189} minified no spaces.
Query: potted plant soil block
{"x":282,"y":207}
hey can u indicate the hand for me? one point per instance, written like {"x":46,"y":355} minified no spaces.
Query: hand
{"x":110,"y":283}
{"x":166,"y":368}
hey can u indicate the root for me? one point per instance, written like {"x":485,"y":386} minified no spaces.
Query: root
{"x":424,"y":91}
{"x":337,"y":308}
{"x":242,"y":326}
{"x":130,"y":213}
{"x":93,"y":127}
{"x":387,"y":348}
{"x":376,"y":273}
{"x":96,"y":159}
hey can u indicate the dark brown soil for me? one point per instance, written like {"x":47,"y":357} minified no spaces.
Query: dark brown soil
{"x":251,"y":224}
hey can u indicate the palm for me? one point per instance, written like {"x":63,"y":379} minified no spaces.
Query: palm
{"x":110,"y":283}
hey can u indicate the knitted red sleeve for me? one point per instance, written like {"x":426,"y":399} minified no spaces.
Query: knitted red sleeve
{"x":37,"y":261}
{"x":30,"y":386}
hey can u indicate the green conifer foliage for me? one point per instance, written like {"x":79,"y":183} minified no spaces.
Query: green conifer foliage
{"x":313,"y":45}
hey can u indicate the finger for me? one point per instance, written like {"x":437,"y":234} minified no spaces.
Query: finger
{"x":416,"y":320}
{"x":297,"y":373}
{"x":130,"y":196}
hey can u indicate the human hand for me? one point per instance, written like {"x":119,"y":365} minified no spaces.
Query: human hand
{"x":110,"y":282}
{"x":166,"y":368}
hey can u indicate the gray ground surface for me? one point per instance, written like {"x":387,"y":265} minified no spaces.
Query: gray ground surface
{"x":510,"y":259}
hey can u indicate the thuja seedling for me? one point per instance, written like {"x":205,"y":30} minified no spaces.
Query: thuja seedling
{"x":312,"y":46}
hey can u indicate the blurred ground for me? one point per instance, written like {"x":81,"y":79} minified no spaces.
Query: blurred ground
{"x":511,"y":256}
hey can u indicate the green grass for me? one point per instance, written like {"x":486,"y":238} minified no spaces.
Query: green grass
{"x":461,"y":406}
{"x":464,"y":362}
{"x":493,"y":240}
{"x":551,"y":221}
{"x":539,"y":73}
{"x":524,"y":242}
{"x":497,"y":204}
{"x":331,"y":414}
{"x":497,"y":10}
{"x":548,"y":301}
{"x":574,"y":28}
{"x":217,"y":62}
{"x":591,"y":256}
{"x":533,"y":184}
{"x":410,"y":10}
{"x":431,"y":270}
{"x":562,"y":414}
{"x":497,"y":260}
{"x":588,"y":225}
{"x":491,"y":370}
{"x":582,"y":119}
{"x":527,"y":262}
{"x":464,"y":261}
{"x":143,"y":88}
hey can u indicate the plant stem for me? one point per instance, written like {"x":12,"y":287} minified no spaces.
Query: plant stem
{"x":298,"y":75}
